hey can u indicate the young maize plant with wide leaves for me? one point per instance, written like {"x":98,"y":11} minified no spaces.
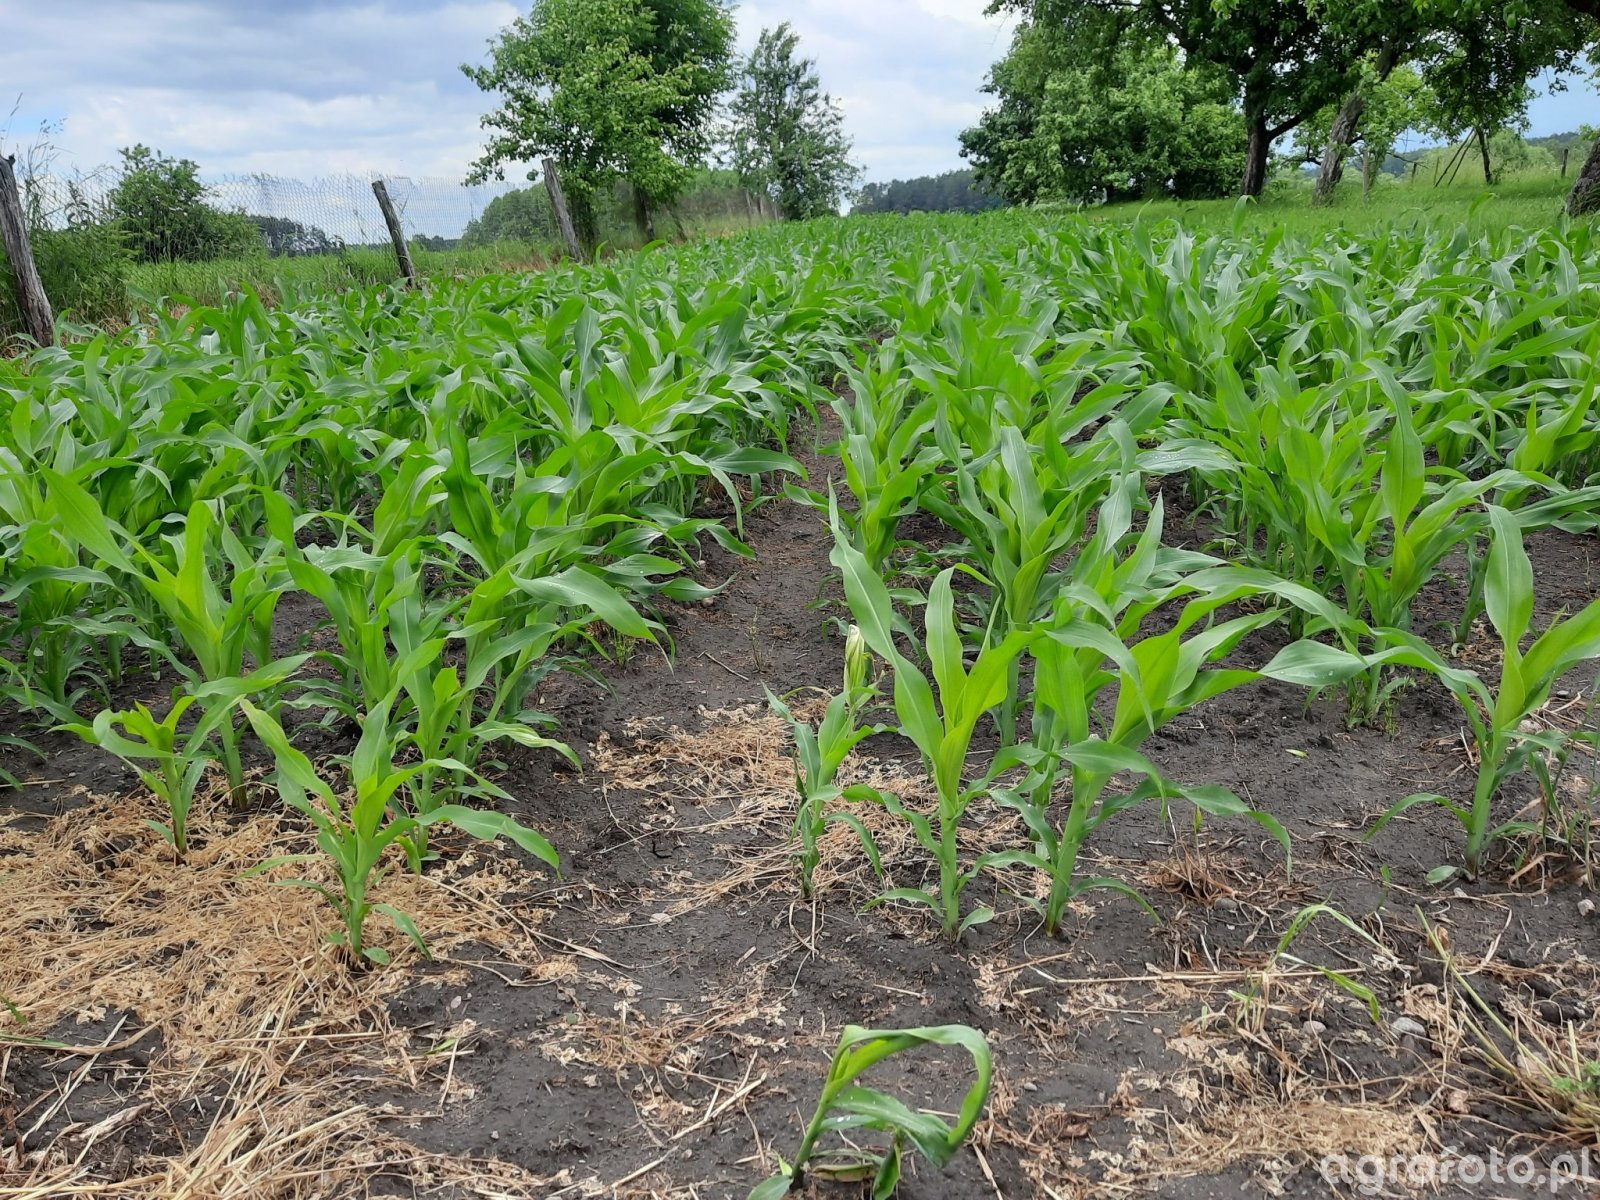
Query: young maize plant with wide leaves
{"x":1498,"y":715}
{"x":820,"y":752}
{"x":845,"y":1105}
{"x":941,"y":723}
{"x":355,"y":832}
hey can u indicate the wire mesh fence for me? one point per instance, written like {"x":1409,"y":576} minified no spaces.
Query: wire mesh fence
{"x":116,"y":240}
{"x":291,"y":216}
{"x":326,"y":215}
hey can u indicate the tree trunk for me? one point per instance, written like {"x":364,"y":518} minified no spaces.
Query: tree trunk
{"x":1345,"y":127}
{"x":1255,"y":157}
{"x":31,"y":296}
{"x":642,"y":216}
{"x":1370,"y":165}
{"x":1483,"y":148}
{"x":558,"y":202}
{"x":1585,"y":197}
{"x":1343,"y":133}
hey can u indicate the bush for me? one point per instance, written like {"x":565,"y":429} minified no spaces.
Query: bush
{"x":162,"y":209}
{"x":84,"y":269}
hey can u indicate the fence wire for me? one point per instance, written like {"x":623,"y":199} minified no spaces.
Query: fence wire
{"x":329,"y":214}
{"x":295,"y":216}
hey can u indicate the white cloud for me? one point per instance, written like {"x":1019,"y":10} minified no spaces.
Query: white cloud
{"x":308,"y":88}
{"x":907,"y":73}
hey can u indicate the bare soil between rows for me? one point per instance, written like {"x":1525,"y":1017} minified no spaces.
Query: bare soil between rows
{"x":657,"y":1022}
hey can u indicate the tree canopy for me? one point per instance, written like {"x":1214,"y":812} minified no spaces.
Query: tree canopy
{"x":1284,"y":64}
{"x":521,"y":215}
{"x":1282,"y":60}
{"x":1092,"y":112}
{"x":786,"y":135}
{"x":953,"y":191}
{"x":164,"y":212}
{"x":609,"y":89}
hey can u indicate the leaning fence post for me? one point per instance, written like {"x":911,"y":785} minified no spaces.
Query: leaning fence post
{"x":35,"y":304}
{"x":397,"y":235}
{"x":558,"y":201}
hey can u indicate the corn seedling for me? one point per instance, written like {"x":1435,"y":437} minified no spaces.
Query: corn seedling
{"x":1020,"y":510}
{"x":821,"y":751}
{"x":1156,"y":678}
{"x":355,"y":833}
{"x":940,"y":727}
{"x":1497,"y":715}
{"x":177,"y":759}
{"x":845,"y":1106}
{"x":886,"y":452}
{"x":227,"y":631}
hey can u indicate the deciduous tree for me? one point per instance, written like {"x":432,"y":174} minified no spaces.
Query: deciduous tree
{"x":786,"y":135}
{"x":1114,"y":116}
{"x":1284,"y":59}
{"x":609,"y":89}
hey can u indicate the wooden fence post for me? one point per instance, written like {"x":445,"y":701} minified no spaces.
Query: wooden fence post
{"x":1566,"y":153}
{"x":558,"y":201}
{"x":397,"y":235}
{"x":35,"y":304}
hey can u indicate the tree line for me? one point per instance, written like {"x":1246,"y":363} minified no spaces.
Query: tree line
{"x":953,"y":191}
{"x":647,"y":92}
{"x":1136,"y":98}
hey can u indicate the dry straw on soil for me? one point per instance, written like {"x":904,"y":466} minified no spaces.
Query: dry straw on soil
{"x":227,"y":983}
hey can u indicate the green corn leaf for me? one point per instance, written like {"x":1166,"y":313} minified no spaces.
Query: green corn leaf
{"x":487,"y":826}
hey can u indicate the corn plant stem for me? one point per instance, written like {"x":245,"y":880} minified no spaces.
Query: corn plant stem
{"x":830,"y":1090}
{"x":1491,"y":757}
{"x":949,"y":874}
{"x":232,"y":761}
{"x":1010,"y":705}
{"x":1086,"y":791}
{"x":176,"y":806}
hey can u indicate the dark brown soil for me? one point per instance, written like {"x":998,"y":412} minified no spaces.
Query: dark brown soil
{"x":1128,"y":1061}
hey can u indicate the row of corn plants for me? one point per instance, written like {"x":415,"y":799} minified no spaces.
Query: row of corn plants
{"x":228,"y":525}
{"x":1348,"y":425}
{"x":382,"y":520}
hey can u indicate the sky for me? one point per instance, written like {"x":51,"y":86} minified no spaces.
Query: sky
{"x":311,"y":88}
{"x":318,"y":87}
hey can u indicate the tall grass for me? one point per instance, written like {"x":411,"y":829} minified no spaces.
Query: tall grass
{"x":273,"y":279}
{"x":1533,"y":202}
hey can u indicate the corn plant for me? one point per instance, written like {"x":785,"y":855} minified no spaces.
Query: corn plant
{"x":941,"y":726}
{"x":228,"y":631}
{"x":52,"y":597}
{"x":886,"y":451}
{"x":178,"y":760}
{"x":1019,"y":512}
{"x":1496,"y":715}
{"x":450,"y":715}
{"x":356,"y":832}
{"x":821,"y":751}
{"x":1156,"y":679}
{"x":845,"y":1105}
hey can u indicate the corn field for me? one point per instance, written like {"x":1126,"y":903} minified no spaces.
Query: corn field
{"x":481,"y":486}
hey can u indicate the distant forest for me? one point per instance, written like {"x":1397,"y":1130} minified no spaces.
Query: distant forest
{"x":954,"y":191}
